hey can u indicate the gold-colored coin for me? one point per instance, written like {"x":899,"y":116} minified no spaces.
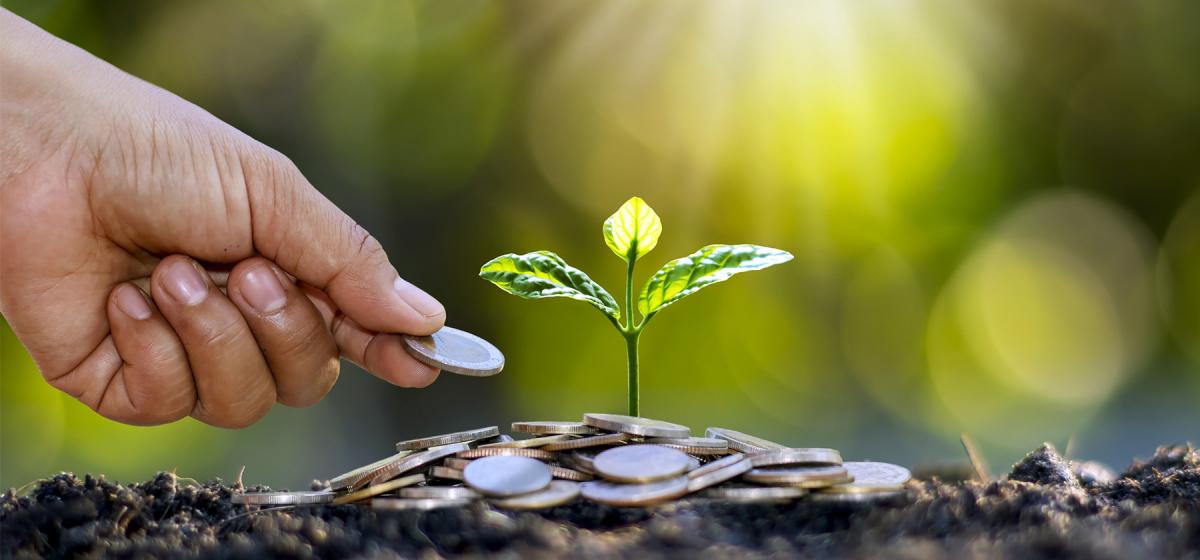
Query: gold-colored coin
{"x":456,"y":463}
{"x":569,"y":474}
{"x":446,"y":473}
{"x":377,"y":489}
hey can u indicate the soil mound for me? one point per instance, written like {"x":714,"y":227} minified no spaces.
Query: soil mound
{"x":1041,"y":510}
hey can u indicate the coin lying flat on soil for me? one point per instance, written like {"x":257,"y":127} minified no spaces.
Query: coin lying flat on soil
{"x":507,"y":476}
{"x":418,"y":504}
{"x":640,"y":463}
{"x":456,"y":351}
{"x":439,"y":492}
{"x":446,"y":439}
{"x":557,"y":493}
{"x":636,"y":425}
{"x":283,"y":498}
{"x":872,"y":481}
{"x":616,"y":494}
{"x":548,"y":428}
{"x":754,"y":494}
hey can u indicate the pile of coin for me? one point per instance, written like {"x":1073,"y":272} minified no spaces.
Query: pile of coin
{"x":607,"y":458}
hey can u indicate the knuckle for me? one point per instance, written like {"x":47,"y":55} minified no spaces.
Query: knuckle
{"x":316,"y":387}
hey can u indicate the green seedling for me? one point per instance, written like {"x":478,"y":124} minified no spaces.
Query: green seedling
{"x":631,"y":232}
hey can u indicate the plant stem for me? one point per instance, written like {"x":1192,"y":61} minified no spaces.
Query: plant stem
{"x":631,"y":348}
{"x":631,"y":339}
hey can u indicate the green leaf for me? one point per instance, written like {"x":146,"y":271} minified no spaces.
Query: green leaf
{"x":633,"y":230}
{"x":716,"y":263}
{"x":542,"y":274}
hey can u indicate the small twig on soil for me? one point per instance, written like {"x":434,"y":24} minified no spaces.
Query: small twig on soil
{"x":1069,"y":450}
{"x":976,"y":459}
{"x":254,"y":511}
{"x":238,"y":483}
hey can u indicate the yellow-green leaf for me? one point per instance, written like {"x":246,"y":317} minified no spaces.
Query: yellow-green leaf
{"x":633,"y":230}
{"x":543,"y":274}
{"x":716,"y":263}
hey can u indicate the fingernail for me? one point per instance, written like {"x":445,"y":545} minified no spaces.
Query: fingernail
{"x":184,"y":283}
{"x":418,"y":299}
{"x":262,"y":291}
{"x":132,"y":302}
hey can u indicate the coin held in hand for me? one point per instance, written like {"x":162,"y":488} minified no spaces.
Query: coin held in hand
{"x":456,"y":351}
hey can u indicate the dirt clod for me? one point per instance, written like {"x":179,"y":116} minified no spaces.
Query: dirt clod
{"x":1150,"y":511}
{"x":1044,"y":466}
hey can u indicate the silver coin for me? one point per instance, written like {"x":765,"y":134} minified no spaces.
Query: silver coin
{"x":539,"y":454}
{"x":635,"y":425}
{"x":425,"y":504}
{"x":364,"y":473}
{"x":754,"y":494}
{"x":804,"y":477}
{"x":693,"y":463}
{"x":502,"y":438}
{"x":456,"y":351}
{"x":447,"y":439}
{"x":859,"y":497}
{"x":582,"y":461}
{"x":871,"y":476}
{"x":715,"y":443}
{"x":440,"y":493}
{"x":717,"y":476}
{"x":706,"y":451}
{"x":739,"y":441}
{"x":283,"y":498}
{"x":507,"y":476}
{"x":796,"y":456}
{"x":615,"y":494}
{"x":715,"y":465}
{"x":591,"y":441}
{"x":378,"y":489}
{"x":548,"y":428}
{"x":446,"y":473}
{"x":415,"y":461}
{"x":532,"y":442}
{"x":557,"y":493}
{"x":640,"y":463}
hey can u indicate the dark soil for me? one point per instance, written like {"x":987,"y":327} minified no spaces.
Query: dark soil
{"x":1041,"y":510}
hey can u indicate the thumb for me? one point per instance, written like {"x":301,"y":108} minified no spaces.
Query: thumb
{"x":306,"y":235}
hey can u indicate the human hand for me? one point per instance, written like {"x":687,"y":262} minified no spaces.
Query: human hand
{"x":112,"y":194}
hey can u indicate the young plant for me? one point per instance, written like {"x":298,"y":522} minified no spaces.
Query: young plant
{"x":631,"y":233}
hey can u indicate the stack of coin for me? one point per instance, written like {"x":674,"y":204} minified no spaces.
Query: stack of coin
{"x":607,"y":458}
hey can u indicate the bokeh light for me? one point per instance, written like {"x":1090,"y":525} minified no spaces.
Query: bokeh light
{"x":913,"y":156}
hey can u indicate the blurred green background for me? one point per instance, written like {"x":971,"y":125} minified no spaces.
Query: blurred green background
{"x":994,"y":205}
